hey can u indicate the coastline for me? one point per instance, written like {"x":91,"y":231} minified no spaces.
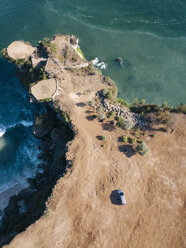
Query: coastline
{"x":7,"y":193}
{"x":67,"y":107}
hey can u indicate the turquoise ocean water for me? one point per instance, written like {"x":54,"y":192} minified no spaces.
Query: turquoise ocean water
{"x":150,"y":36}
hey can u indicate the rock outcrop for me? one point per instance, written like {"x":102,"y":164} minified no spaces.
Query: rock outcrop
{"x":19,"y":50}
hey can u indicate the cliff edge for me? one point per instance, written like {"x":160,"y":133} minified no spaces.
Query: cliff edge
{"x":104,"y":156}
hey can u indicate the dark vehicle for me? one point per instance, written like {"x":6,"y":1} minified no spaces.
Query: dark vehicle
{"x":121,"y":197}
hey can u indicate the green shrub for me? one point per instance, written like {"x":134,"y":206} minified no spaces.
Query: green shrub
{"x":142,"y":102}
{"x":101,"y":117}
{"x":122,"y":102}
{"x":135,"y":102}
{"x":52,"y":47}
{"x":65,"y":117}
{"x":111,"y":114}
{"x":46,"y":100}
{"x":46,"y":213}
{"x":181,"y":108}
{"x":124,"y":139}
{"x":79,"y":51}
{"x":136,"y":132}
{"x":19,"y":62}
{"x":110,"y":93}
{"x":101,"y":137}
{"x":132,"y":140}
{"x":125,"y":124}
{"x":142,"y":149}
{"x":90,"y":70}
{"x":100,"y":109}
{"x":91,"y":103}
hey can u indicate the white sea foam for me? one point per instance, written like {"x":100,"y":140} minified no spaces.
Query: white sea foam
{"x":2,"y":131}
{"x":98,"y":64}
{"x":24,"y":123}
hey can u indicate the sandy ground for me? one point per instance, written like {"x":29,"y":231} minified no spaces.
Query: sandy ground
{"x":83,"y":211}
{"x":19,"y":50}
{"x":44,"y":89}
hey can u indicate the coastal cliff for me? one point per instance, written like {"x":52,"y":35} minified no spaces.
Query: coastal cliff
{"x":94,"y":144}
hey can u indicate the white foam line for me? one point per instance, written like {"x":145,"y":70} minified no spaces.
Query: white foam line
{"x":127,"y":31}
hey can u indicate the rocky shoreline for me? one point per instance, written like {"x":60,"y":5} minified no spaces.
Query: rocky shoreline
{"x":58,"y":62}
{"x":29,"y":204}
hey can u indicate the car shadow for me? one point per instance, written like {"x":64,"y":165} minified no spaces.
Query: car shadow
{"x":114,"y":198}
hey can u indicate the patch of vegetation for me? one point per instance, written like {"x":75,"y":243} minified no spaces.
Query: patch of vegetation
{"x":124,"y":139}
{"x":79,"y":51}
{"x":86,"y":92}
{"x":46,"y":213}
{"x":65,"y":117}
{"x":46,"y":100}
{"x":135,"y":102}
{"x":42,"y":74}
{"x":100,"y":109}
{"x":53,"y":47}
{"x":142,"y":102}
{"x":101,"y":117}
{"x":90,"y":70}
{"x":136,"y":132}
{"x":91,"y":103}
{"x":111,"y":114}
{"x":101,"y":137}
{"x":109,"y":81}
{"x":124,"y":124}
{"x":110,"y":93}
{"x":131,"y":140}
{"x":142,"y":149}
{"x":181,"y":108}
{"x":164,"y":117}
{"x":19,"y":62}
{"x":122,"y":102}
{"x":165,"y":107}
{"x":46,"y":42}
{"x":143,"y":109}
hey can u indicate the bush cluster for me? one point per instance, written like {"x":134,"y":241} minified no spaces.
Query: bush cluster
{"x":111,"y":114}
{"x":110,"y":93}
{"x":142,"y":148}
{"x":101,"y":117}
{"x":125,"y":124}
{"x":181,"y":108}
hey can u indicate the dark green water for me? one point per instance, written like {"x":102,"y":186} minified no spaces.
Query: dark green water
{"x":150,"y":36}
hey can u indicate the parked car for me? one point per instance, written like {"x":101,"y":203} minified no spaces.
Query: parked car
{"x":121,"y":197}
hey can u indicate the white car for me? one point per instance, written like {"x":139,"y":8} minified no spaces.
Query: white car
{"x":121,"y":197}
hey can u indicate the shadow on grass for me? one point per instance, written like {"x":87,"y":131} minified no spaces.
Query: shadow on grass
{"x":128,"y":150}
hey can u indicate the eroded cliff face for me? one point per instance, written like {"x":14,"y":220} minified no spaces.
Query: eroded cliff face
{"x":83,"y":210}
